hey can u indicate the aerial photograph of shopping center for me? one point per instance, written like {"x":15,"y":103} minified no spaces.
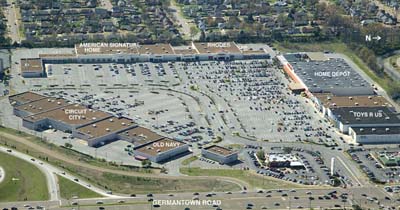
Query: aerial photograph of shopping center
{"x":199,"y":104}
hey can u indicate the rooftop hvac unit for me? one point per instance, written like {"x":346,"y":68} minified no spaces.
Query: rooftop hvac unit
{"x":373,"y":129}
{"x":58,"y":103}
{"x":387,"y":129}
{"x":93,"y":118}
{"x":123,"y":123}
{"x":361,"y":129}
{"x":111,"y":120}
{"x":107,"y":129}
{"x":356,"y":104}
{"x":94,"y":125}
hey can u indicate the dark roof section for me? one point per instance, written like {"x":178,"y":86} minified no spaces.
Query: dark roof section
{"x":329,"y":76}
{"x":365,"y":115}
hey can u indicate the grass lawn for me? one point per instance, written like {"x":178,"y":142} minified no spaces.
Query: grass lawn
{"x":139,"y":185}
{"x":337,"y":47}
{"x":189,"y":160}
{"x":23,"y":181}
{"x":69,"y":189}
{"x":252,"y":178}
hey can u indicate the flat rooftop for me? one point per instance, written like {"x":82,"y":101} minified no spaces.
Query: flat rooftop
{"x":365,"y":115}
{"x":73,"y":114}
{"x":106,"y":48}
{"x":216,"y":47}
{"x":159,"y":146}
{"x":140,"y":135}
{"x":156,"y":49}
{"x":332,"y":101}
{"x":25,"y":97}
{"x":57,"y":55}
{"x":329,"y":76}
{"x":317,"y":56}
{"x":282,"y":158}
{"x":377,"y":130}
{"x":106,"y":126}
{"x":220,"y":150}
{"x":31,"y":65}
{"x":251,"y":48}
{"x":185,"y":50}
{"x":43,"y":105}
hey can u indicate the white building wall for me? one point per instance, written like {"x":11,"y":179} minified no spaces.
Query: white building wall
{"x":32,"y":74}
{"x":219,"y":158}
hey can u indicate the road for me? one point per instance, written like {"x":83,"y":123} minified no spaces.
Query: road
{"x":384,"y":62}
{"x":12,"y":22}
{"x":272,"y":199}
{"x":185,"y":29}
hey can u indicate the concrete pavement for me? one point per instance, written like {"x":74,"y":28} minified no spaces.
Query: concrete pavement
{"x":2,"y":174}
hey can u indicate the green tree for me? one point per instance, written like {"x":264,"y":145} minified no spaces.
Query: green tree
{"x":261,"y":155}
{"x":193,"y":31}
{"x":146,"y":163}
{"x":68,"y":145}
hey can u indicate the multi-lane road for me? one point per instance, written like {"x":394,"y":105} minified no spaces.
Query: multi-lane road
{"x":274,"y":199}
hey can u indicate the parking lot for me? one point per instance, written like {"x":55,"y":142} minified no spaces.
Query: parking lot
{"x":197,"y":102}
{"x":374,"y":169}
{"x":251,"y":98}
{"x":315,"y":171}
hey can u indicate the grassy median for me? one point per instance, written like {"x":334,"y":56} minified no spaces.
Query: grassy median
{"x":69,"y":189}
{"x":23,"y":181}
